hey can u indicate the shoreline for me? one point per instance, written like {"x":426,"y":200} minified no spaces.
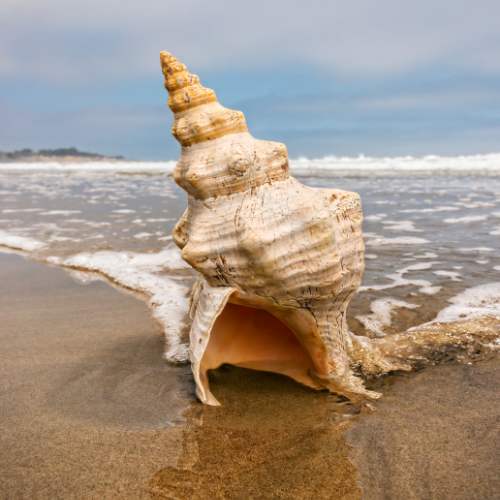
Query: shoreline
{"x":460,"y":323}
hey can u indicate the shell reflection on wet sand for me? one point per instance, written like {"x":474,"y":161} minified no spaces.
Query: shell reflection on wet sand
{"x":271,"y":439}
{"x":278,"y":261}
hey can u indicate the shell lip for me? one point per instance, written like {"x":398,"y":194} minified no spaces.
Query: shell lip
{"x":306,"y":364}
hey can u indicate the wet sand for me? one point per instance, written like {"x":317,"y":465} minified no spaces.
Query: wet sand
{"x":88,"y":409}
{"x":86,"y":399}
{"x":435,"y":435}
{"x":270,"y":439}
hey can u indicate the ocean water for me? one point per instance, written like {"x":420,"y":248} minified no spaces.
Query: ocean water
{"x":431,"y":228}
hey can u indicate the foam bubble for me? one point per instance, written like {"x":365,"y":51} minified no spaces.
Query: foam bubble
{"x":381,"y":312}
{"x":426,"y":255}
{"x":160,"y":219}
{"x":428,"y":210}
{"x":21,"y":210}
{"x":142,"y":236}
{"x":375,"y":217}
{"x":476,"y":249}
{"x":466,"y":219}
{"x":421,"y":266}
{"x":400,"y":240}
{"x":61,"y":212}
{"x":398,"y":279}
{"x":477,"y":204}
{"x":475,"y":302}
{"x":402,"y":225}
{"x":453,"y":275}
{"x":23,"y":243}
{"x":430,"y":290}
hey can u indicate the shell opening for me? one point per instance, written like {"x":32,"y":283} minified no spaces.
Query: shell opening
{"x":254,"y":338}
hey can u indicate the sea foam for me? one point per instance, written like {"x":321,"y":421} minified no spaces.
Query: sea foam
{"x":145,"y":273}
{"x":16,"y":242}
{"x":363,"y":166}
{"x":475,"y":302}
{"x":381,"y":314}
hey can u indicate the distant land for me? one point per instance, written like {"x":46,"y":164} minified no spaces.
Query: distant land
{"x":59,"y":154}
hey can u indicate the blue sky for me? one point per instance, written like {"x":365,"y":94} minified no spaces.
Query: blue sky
{"x":375,"y":77}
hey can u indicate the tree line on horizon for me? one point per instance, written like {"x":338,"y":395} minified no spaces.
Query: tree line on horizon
{"x":59,"y":152}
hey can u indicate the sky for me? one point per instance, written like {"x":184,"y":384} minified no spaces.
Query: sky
{"x":327,"y":77}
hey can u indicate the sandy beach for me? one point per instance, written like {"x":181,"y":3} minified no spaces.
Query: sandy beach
{"x":249,"y":250}
{"x":90,"y":410}
{"x":87,"y":404}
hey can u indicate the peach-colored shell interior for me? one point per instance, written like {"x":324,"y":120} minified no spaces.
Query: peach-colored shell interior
{"x":254,"y":338}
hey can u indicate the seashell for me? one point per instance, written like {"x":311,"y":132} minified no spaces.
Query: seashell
{"x":278,"y":261}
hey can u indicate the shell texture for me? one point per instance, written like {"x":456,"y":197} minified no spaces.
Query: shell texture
{"x":278,"y":261}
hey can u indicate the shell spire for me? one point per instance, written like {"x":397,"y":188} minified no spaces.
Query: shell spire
{"x":198,"y":116}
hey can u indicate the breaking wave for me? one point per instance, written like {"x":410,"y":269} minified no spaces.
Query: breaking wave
{"x":327,"y":166}
{"x":365,"y":166}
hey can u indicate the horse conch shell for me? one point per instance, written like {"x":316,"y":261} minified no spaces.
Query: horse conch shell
{"x":278,"y":261}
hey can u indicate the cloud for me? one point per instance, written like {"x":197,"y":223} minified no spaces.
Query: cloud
{"x":392,"y":118}
{"x":60,"y":40}
{"x":364,"y":76}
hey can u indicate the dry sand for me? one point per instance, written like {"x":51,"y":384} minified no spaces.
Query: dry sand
{"x":88,"y":409}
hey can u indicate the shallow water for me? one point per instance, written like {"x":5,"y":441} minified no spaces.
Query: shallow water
{"x":428,"y":238}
